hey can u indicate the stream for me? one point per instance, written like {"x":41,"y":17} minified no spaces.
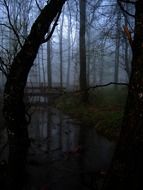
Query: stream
{"x":64,"y":155}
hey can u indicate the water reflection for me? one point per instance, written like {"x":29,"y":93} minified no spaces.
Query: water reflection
{"x":63,"y":154}
{"x":52,"y":131}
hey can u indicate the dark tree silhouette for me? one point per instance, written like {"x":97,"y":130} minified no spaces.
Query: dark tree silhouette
{"x":127,"y":166}
{"x":14,"y":107}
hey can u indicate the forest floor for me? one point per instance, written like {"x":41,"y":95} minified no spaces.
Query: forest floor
{"x":104,"y":109}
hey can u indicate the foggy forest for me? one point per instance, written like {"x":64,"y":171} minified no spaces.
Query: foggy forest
{"x":71,"y":94}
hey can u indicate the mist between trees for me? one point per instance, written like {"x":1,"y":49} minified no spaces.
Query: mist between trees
{"x":81,"y":44}
{"x":58,"y":62}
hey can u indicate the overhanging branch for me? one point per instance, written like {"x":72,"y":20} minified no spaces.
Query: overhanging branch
{"x":108,"y":84}
{"x":124,"y":11}
{"x":101,"y":85}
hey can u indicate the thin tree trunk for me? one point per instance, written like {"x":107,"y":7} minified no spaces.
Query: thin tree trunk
{"x":88,"y":57}
{"x":82,"y":50}
{"x":61,"y":51}
{"x":94,"y":68}
{"x":69,"y":51}
{"x":117,"y":52}
{"x":101,"y":72}
{"x":127,"y":58}
{"x":127,"y":49}
{"x":49,"y":67}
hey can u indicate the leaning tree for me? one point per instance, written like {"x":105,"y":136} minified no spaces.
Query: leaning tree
{"x":14,"y":107}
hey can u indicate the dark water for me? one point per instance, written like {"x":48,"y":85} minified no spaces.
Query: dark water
{"x":64,"y":155}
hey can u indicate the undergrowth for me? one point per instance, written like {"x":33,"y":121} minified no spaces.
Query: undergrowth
{"x":104,"y":109}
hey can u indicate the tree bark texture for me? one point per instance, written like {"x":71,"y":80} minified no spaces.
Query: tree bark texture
{"x":127,"y":166}
{"x":82,"y":46}
{"x":61,"y":50}
{"x":14,"y":108}
{"x":49,"y":67}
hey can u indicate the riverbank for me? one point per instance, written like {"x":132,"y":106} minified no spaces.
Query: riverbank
{"x":63,"y":154}
{"x":104,"y":110}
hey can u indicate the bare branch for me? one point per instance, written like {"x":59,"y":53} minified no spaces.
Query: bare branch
{"x":102,"y":85}
{"x":122,"y":8}
{"x":108,"y":84}
{"x":5,"y":25}
{"x":9,"y":19}
{"x":38,"y":5}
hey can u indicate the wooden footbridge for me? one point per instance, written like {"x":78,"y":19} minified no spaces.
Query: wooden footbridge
{"x":42,"y":95}
{"x":44,"y":91}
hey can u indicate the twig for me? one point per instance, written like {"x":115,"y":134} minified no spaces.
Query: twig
{"x":11,"y":25}
{"x":38,"y":5}
{"x":122,"y":8}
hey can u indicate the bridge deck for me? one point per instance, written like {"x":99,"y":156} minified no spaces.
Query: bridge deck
{"x":40,"y":91}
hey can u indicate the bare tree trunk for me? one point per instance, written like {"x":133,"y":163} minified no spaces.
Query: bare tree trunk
{"x":101,"y":71}
{"x":42,"y":64}
{"x":61,"y":51}
{"x":127,"y":64}
{"x":82,"y":49}
{"x":49,"y":67}
{"x":127,"y":167}
{"x":127,"y":58}
{"x":69,"y":51}
{"x":88,"y":57}
{"x":14,"y":108}
{"x":94,"y":68}
{"x":117,"y":52}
